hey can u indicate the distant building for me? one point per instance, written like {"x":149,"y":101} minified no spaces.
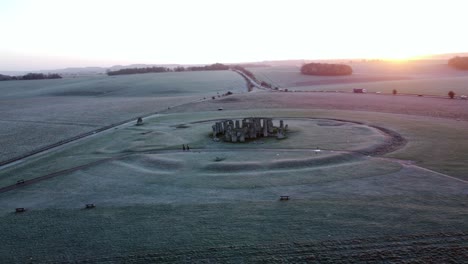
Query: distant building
{"x":359,"y":90}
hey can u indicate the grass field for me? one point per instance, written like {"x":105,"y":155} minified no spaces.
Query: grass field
{"x":59,"y":109}
{"x":437,"y":86}
{"x":416,"y":78}
{"x":388,"y":184}
{"x":435,"y":137}
{"x":152,"y":197}
{"x":243,"y":231}
{"x":141,"y":85}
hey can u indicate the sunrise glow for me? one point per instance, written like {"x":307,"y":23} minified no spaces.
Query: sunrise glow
{"x":57,"y":33}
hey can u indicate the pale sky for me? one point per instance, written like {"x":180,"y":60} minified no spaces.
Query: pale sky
{"x":49,"y":34}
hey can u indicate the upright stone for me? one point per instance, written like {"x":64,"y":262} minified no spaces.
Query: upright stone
{"x":241,"y":136}
{"x":270,"y":125}
{"x":214,"y":130}
{"x":280,"y":134}
{"x":233,"y":137}
{"x":252,"y":132}
{"x":227,"y":133}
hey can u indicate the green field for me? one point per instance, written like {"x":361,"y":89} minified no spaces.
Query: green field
{"x":389,"y":182}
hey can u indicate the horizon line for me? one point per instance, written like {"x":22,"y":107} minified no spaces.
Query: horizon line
{"x":413,"y":58}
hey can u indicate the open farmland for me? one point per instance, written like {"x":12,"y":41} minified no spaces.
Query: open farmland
{"x":370,"y":178}
{"x":59,"y":109}
{"x":426,"y":78}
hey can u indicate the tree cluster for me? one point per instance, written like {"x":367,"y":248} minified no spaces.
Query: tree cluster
{"x":460,"y":63}
{"x":138,"y":70}
{"x":451,"y":94}
{"x":5,"y":77}
{"x":212,"y":67}
{"x":30,"y":76}
{"x":326,"y":69}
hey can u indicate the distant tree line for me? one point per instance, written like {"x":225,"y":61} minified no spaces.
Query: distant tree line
{"x":254,"y":65}
{"x":138,"y":70}
{"x":460,"y":63}
{"x":326,"y":69}
{"x":30,"y":76}
{"x":212,"y":67}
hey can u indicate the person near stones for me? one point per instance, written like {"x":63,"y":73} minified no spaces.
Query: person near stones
{"x":183,"y":147}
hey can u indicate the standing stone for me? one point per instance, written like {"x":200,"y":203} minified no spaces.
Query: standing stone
{"x":270,"y":125}
{"x":233,"y":137}
{"x":240,"y":136}
{"x":227,"y":134}
{"x":215,"y":133}
{"x":252,"y":132}
{"x":280,"y":134}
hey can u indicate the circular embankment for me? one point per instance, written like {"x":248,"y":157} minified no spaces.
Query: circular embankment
{"x":347,"y":135}
{"x":312,"y":144}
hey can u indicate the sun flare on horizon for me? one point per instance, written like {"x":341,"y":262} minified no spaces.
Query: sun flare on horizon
{"x":104,"y":33}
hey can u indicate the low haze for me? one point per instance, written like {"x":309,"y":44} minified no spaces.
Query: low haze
{"x":53,"y":34}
